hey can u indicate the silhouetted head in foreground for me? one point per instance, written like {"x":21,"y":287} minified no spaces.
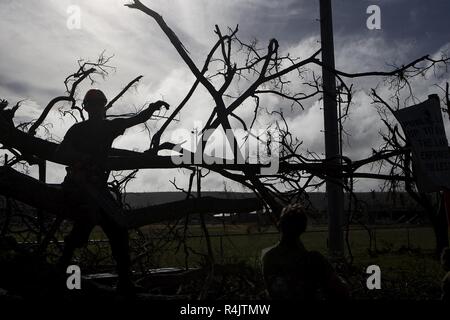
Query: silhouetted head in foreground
{"x":291,"y":272}
{"x":94,"y":103}
{"x":293,"y":222}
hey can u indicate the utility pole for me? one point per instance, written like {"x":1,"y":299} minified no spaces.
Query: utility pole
{"x":40,"y":215}
{"x":335,"y":195}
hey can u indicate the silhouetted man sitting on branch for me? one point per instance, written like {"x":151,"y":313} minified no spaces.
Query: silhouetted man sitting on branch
{"x":293,"y":273}
{"x":85,"y":147}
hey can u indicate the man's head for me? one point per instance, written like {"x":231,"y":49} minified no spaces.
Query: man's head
{"x":94,"y":103}
{"x":293,"y":221}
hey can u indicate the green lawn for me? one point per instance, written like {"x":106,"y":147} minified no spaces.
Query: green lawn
{"x":236,"y":243}
{"x":409,"y":269}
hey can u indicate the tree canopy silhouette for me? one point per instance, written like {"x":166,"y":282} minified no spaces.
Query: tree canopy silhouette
{"x":265,"y":71}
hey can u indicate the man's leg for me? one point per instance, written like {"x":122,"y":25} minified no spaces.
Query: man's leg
{"x":77,"y":238}
{"x":118,"y":239}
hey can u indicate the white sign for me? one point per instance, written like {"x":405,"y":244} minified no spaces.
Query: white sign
{"x":424,"y":129}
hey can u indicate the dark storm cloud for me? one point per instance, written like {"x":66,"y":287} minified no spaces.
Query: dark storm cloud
{"x":16,"y":87}
{"x":425,"y":23}
{"x":23,"y":88}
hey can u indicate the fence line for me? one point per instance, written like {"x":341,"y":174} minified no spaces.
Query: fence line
{"x":372,"y":229}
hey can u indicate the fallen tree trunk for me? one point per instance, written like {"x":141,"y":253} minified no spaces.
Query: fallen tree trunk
{"x":177,"y":209}
{"x":49,"y":198}
{"x":120,"y":159}
{"x":27,"y":144}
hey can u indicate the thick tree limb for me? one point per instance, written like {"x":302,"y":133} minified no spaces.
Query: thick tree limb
{"x":178,"y":45}
{"x":37,"y":194}
{"x":120,"y":159}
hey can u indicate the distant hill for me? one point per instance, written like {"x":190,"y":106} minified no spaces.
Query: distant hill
{"x":142,"y":199}
{"x":376,"y":206}
{"x":373,"y":200}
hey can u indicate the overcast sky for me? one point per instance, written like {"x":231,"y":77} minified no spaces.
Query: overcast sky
{"x":39,"y":51}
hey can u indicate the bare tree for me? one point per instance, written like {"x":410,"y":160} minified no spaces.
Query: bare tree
{"x":231,"y":61}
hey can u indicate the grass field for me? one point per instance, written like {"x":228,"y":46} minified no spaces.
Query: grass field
{"x":241,"y":242}
{"x":405,"y":255}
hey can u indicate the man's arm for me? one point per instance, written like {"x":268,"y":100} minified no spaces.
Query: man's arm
{"x":144,"y":115}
